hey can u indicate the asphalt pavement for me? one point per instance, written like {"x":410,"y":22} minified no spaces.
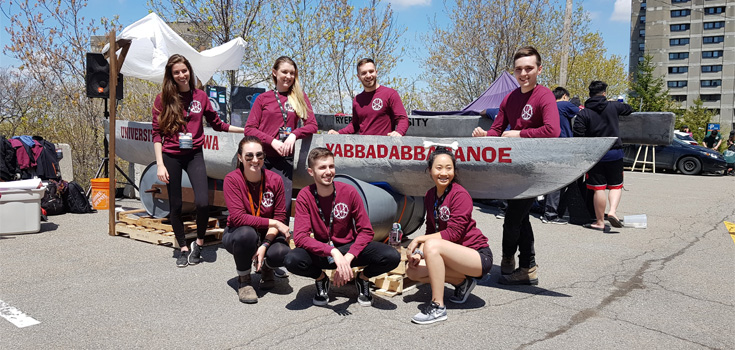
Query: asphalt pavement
{"x":669,"y":286}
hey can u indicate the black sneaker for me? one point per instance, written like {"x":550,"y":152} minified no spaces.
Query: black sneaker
{"x":463,"y":290}
{"x":430,"y":314}
{"x":322,"y":292}
{"x":363,"y":292}
{"x":558,"y":221}
{"x":195,"y":253}
{"x":280,"y":272}
{"x":183,"y":259}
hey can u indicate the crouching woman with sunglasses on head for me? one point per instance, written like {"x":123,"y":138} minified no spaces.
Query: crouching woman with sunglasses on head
{"x":453,"y":248}
{"x":256,"y":233}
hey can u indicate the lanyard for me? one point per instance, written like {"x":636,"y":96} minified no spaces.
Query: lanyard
{"x":283,"y":110}
{"x":437,"y":202}
{"x":188,"y":109}
{"x":329,"y":223}
{"x":250,"y":198}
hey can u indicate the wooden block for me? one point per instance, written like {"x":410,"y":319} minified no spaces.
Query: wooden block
{"x":385,"y":292}
{"x":121,"y":214}
{"x":400,"y":269}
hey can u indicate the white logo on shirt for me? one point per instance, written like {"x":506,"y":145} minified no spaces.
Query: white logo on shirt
{"x":267,"y":199}
{"x":377,"y":104}
{"x":527,"y":112}
{"x":196,"y":107}
{"x":340,"y":211}
{"x":444,"y":213}
{"x":288,"y":107}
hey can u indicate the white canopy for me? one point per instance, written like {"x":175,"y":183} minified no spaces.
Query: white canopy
{"x":153,"y":41}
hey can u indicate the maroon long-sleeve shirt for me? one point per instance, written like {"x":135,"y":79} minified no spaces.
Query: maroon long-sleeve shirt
{"x":455,"y":218}
{"x":377,"y":113}
{"x":266,"y":118}
{"x":272,"y":206}
{"x":197,"y":102}
{"x":534,"y":113}
{"x":347,"y":207}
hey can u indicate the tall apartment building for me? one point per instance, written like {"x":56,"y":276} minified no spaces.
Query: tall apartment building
{"x":693,"y":47}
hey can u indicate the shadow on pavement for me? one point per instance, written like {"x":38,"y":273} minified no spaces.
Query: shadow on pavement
{"x":303,"y":298}
{"x":493,"y":282}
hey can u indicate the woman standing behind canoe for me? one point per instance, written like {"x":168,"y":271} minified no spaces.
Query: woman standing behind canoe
{"x":275,"y":119}
{"x":178,"y":135}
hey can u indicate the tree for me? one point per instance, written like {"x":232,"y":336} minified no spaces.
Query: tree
{"x":479,"y":44}
{"x":696,"y":118}
{"x":50,"y":38}
{"x":648,"y":92}
{"x":588,"y":59}
{"x":221,"y":21}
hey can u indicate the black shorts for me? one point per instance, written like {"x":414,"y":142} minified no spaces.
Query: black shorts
{"x":606,"y":175}
{"x":486,"y":259}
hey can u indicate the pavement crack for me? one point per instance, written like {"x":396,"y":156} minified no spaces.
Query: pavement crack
{"x":665,"y":333}
{"x":622,"y":289}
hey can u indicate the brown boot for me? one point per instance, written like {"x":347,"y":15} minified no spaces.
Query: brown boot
{"x":521,"y":275}
{"x":267,"y":278}
{"x":507,"y":265}
{"x":245,"y":290}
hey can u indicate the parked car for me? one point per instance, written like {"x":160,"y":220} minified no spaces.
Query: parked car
{"x":685,"y":137}
{"x":680,"y":155}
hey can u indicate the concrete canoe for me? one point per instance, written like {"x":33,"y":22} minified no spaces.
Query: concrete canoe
{"x":490,"y":167}
{"x":647,"y":128}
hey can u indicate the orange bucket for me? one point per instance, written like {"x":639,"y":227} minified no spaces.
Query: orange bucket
{"x":100,"y":193}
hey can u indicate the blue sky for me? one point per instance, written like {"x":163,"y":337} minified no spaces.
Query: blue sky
{"x":610,"y":17}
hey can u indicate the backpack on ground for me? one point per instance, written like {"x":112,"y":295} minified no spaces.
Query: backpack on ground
{"x":76,"y":201}
{"x":53,"y":199}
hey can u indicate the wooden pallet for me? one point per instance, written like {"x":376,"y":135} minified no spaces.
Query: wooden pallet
{"x":394,"y":282}
{"x":388,"y":284}
{"x":158,"y":231}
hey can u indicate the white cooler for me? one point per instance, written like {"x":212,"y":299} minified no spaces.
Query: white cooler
{"x":20,"y":210}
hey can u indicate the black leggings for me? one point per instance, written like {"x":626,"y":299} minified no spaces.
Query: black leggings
{"x":242,"y":242}
{"x":517,"y":232}
{"x":194,"y":165}
{"x":284,"y":168}
{"x":378,"y":258}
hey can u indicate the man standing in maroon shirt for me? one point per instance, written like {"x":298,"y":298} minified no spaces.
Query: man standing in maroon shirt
{"x":378,"y":110}
{"x":530,"y":111}
{"x":342,"y":235}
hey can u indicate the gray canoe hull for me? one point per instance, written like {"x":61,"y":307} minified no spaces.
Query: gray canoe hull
{"x":490,"y":167}
{"x":647,"y":128}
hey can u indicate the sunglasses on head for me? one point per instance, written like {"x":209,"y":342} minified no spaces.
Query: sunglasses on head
{"x":249,"y":156}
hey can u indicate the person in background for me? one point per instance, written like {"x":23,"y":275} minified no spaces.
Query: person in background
{"x":255,"y":227}
{"x":553,"y":200}
{"x":713,"y":140}
{"x":600,"y":119}
{"x":453,"y":248}
{"x":685,"y":128}
{"x":178,"y":135}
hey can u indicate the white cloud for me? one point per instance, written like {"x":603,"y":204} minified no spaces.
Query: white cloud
{"x":621,"y":12}
{"x":409,"y":3}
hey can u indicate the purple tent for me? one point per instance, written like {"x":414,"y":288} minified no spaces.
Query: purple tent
{"x":490,"y":99}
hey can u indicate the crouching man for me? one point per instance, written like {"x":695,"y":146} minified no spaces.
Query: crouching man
{"x":343,"y":236}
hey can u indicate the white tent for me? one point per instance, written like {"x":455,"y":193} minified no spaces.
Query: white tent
{"x":153,"y":41}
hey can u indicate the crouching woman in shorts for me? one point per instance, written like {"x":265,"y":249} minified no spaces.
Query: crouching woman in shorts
{"x":255,"y":232}
{"x":454,"y":249}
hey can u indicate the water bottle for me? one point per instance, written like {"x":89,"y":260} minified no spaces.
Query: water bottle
{"x":395,"y":236}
